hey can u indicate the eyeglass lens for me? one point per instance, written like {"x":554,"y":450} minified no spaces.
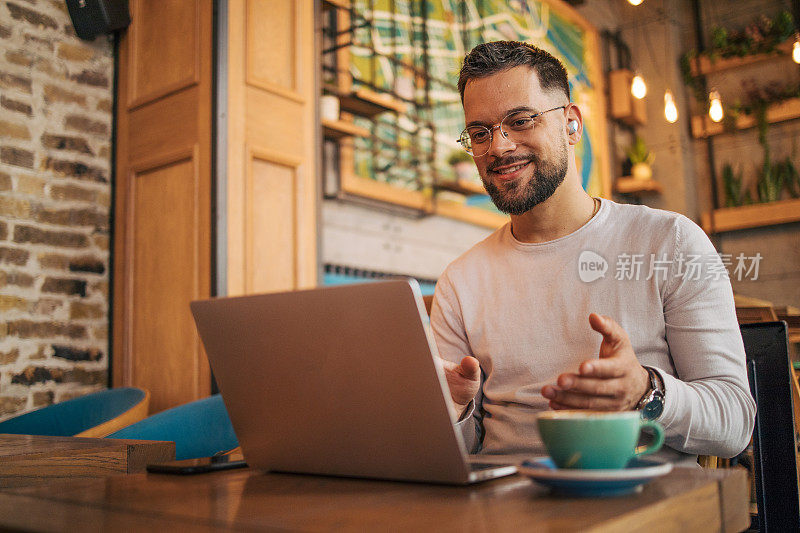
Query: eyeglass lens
{"x":477,"y":139}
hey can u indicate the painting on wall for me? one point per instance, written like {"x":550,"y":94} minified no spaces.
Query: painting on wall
{"x":411,"y":51}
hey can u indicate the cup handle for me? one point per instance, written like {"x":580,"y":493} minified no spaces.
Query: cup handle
{"x":659,"y":437}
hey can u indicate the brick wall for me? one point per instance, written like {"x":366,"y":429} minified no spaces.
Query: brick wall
{"x":55,"y":141}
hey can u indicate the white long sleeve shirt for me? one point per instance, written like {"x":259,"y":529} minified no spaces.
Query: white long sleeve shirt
{"x":522,"y":310}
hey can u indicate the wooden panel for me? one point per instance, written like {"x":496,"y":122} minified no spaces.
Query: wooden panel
{"x":385,"y":192}
{"x":165,"y":55}
{"x":623,"y":105}
{"x":750,"y":315}
{"x":275,"y":122}
{"x":628,"y":185}
{"x":703,"y":126}
{"x":752,"y":216}
{"x":164,"y":126}
{"x":164,"y":219}
{"x":686,"y":499}
{"x":703,"y":64}
{"x":272,"y":47}
{"x":473,"y":215}
{"x":336,"y":129}
{"x":34,"y":460}
{"x":271,"y":189}
{"x":162,"y":227}
{"x":272,"y":223}
{"x":376,"y":190}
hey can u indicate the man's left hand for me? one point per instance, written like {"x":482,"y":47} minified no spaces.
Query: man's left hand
{"x":615,"y":382}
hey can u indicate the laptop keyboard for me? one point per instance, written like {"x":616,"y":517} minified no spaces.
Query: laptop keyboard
{"x":477,"y":467}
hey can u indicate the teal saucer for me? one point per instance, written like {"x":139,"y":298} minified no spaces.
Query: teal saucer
{"x":594,"y":483}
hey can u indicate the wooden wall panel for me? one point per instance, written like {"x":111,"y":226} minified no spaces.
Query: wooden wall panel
{"x":272,"y":224}
{"x":163,"y":222}
{"x":273,"y":46}
{"x":162,"y":226}
{"x":170,"y":124}
{"x":164,"y":48}
{"x":163,"y":217}
{"x":272,"y":191}
{"x":275,"y":122}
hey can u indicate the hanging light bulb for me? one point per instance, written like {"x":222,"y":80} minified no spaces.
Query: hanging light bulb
{"x":635,"y":2}
{"x":638,"y":87}
{"x":670,"y":110}
{"x":796,"y":49}
{"x":715,"y":108}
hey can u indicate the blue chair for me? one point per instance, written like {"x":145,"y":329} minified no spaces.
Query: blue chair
{"x":94,"y":415}
{"x":199,"y":429}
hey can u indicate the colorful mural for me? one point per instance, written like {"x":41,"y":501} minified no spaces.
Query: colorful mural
{"x":414,"y":50}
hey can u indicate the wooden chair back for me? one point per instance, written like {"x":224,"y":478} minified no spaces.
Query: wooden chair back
{"x":131,"y":416}
{"x":752,"y":314}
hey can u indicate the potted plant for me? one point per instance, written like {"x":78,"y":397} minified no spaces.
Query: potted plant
{"x":735,"y":194}
{"x":641,"y":159}
{"x":791,"y":178}
{"x":462,"y":165}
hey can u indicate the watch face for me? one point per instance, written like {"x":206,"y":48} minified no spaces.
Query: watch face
{"x":653,"y":408}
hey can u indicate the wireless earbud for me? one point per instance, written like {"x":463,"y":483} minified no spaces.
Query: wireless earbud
{"x":572,"y":126}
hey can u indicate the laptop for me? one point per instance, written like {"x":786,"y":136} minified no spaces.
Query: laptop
{"x":339,"y":381}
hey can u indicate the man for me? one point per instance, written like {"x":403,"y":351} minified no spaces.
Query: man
{"x":510,"y":315}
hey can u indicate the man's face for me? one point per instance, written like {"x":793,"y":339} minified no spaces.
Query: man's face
{"x":522,"y":171}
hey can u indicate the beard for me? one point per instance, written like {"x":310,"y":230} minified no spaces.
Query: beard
{"x":518,"y":197}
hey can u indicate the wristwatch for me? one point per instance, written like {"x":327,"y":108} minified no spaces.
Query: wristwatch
{"x":652,"y":402}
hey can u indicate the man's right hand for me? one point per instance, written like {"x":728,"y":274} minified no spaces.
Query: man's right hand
{"x":464,"y":379}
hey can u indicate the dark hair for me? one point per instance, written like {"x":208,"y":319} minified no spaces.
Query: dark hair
{"x":490,"y":58}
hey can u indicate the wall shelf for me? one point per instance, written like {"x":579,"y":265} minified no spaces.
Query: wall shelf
{"x":337,"y":129}
{"x":385,"y":192}
{"x":368,"y":103}
{"x":703,"y":64}
{"x":623,"y":106}
{"x":464,"y":187}
{"x":703,"y":126}
{"x":473,"y":215}
{"x":751,"y":216}
{"x":629,"y":185}
{"x":335,"y":4}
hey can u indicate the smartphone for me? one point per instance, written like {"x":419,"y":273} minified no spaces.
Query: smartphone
{"x":196,"y":466}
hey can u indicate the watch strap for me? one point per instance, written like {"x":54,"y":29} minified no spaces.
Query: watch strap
{"x":654,"y":386}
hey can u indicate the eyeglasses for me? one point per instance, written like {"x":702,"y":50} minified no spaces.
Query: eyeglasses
{"x":477,"y":140}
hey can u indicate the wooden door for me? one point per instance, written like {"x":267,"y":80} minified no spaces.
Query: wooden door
{"x":162,"y":244}
{"x":271,"y":146}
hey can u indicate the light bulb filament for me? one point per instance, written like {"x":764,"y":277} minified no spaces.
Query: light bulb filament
{"x":670,"y":109}
{"x":715,"y":110}
{"x":638,"y":87}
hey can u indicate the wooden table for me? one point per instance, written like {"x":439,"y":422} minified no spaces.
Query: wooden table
{"x":684,"y":500}
{"x":32,"y":460}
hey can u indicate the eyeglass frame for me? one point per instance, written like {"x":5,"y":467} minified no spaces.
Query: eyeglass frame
{"x":499,"y":126}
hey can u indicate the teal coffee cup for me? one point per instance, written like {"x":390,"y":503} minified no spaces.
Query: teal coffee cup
{"x":595,"y":439}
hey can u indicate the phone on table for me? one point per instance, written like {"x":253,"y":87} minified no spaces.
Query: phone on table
{"x":197,"y":466}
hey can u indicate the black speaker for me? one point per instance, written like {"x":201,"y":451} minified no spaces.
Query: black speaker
{"x":93,"y":17}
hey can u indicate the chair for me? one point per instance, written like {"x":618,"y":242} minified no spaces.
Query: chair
{"x":790,"y":315}
{"x":94,"y":415}
{"x":774,"y":454}
{"x":749,"y":310}
{"x":749,"y":315}
{"x":199,"y":429}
